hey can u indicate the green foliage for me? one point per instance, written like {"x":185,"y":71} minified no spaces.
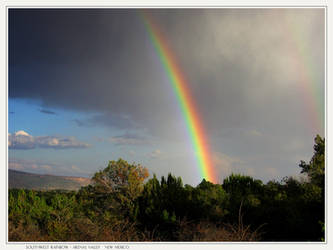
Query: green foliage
{"x":315,"y":169}
{"x":242,"y":186}
{"x":242,"y":191}
{"x":208,"y":201}
{"x":118,"y":206}
{"x":161,"y":204}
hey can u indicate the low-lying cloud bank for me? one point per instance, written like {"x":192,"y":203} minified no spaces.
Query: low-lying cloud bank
{"x":23,"y":140}
{"x":47,"y":167}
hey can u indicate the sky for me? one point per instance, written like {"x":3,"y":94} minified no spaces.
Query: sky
{"x":87,"y":86}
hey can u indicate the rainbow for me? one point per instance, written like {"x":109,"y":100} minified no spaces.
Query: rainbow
{"x":313,"y":101}
{"x":181,"y":89}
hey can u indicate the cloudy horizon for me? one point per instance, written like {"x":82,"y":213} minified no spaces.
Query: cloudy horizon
{"x":86,"y":86}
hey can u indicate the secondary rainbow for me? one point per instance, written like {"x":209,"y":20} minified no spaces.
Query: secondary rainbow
{"x":187,"y":105}
{"x":303,"y":62}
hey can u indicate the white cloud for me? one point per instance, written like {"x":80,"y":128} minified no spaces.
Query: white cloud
{"x":59,"y":142}
{"x":21,"y":132}
{"x":22,"y":140}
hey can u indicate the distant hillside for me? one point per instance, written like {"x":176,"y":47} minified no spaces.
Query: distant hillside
{"x":18,"y":179}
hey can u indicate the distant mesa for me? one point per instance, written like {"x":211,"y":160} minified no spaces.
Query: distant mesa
{"x":20,"y":179}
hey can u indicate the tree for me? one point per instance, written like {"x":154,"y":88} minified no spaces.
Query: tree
{"x":162,"y":202}
{"x":119,"y":185}
{"x":244,"y":193}
{"x":243,"y":188}
{"x":208,"y":201}
{"x":314,"y":193}
{"x":315,"y":169}
{"x":120,"y":176}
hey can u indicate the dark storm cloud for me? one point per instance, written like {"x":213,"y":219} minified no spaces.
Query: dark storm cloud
{"x":102,"y":60}
{"x":97,"y":61}
{"x":242,"y":66}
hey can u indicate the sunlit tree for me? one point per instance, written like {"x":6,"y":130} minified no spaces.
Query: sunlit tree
{"x":119,"y":185}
